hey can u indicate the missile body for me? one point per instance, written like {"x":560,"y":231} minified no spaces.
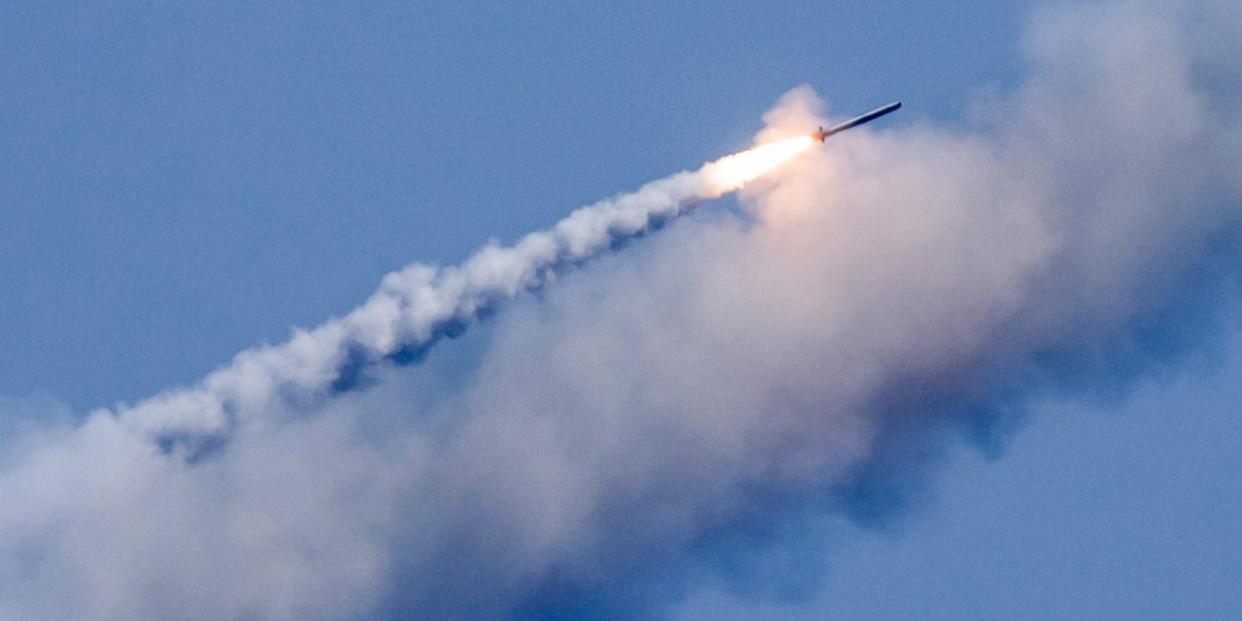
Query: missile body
{"x":822,"y":134}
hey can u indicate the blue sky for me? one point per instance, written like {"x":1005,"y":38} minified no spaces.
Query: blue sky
{"x":180,"y":183}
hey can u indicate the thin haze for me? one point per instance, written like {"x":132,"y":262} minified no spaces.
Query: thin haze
{"x":702,"y":390}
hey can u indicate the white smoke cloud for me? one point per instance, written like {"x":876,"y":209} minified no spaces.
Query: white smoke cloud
{"x":412,"y":309}
{"x":702,"y":387}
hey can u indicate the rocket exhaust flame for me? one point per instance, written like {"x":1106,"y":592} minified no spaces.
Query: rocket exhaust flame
{"x":734,"y":171}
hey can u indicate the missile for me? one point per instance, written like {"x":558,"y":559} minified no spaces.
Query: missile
{"x":822,"y":134}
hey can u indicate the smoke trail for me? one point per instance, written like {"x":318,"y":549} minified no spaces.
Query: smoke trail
{"x":420,"y":304}
{"x":676,"y":408}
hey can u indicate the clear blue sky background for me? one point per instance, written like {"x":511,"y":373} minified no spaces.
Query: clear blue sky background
{"x":179,"y":183}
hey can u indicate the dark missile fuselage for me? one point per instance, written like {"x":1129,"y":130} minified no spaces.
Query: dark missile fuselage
{"x":822,"y":134}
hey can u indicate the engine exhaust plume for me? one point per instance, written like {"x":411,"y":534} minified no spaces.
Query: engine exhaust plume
{"x":734,"y":171}
{"x":420,"y":304}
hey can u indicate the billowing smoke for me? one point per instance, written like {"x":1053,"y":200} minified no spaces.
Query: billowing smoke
{"x":419,"y":305}
{"x":673,"y":408}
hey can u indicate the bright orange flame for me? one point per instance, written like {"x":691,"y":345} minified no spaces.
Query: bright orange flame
{"x":734,"y":171}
